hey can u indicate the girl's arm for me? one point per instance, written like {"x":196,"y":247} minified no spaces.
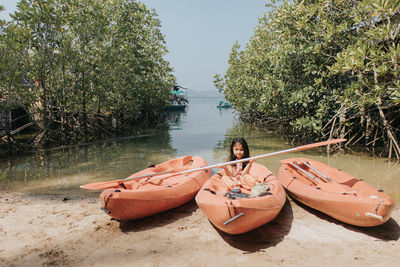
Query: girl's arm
{"x":247,"y":169}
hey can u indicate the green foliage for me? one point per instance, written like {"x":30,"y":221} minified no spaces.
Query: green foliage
{"x":11,"y":89}
{"x":317,"y":68}
{"x":83,"y":62}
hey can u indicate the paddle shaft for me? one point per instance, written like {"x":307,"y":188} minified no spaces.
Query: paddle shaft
{"x":309,"y":175}
{"x":299,"y":148}
{"x":147,"y":175}
{"x":317,"y":171}
{"x":304,"y":171}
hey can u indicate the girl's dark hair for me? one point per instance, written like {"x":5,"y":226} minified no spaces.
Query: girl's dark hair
{"x":243,"y":142}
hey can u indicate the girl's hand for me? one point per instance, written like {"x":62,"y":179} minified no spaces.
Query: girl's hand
{"x":226,"y":169}
{"x":220,"y":166}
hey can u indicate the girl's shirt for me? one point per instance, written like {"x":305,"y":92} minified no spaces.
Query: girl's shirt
{"x":237,"y":171}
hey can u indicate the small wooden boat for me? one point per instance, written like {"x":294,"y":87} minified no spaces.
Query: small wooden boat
{"x":239,"y":215}
{"x":149,"y":195}
{"x":334,"y":192}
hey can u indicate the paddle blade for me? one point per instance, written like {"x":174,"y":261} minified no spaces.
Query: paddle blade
{"x":101,"y":185}
{"x":324,"y":143}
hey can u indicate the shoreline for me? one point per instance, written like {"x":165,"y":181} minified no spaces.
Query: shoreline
{"x":71,"y":230}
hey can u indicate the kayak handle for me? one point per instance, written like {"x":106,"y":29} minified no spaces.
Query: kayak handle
{"x":234,"y":218}
{"x":372,"y":215}
{"x":105,"y":210}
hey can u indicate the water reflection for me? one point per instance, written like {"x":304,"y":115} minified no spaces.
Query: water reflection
{"x":65,"y":168}
{"x":175,"y":119}
{"x":202,"y":130}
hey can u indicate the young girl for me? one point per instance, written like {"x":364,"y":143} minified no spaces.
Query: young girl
{"x":237,"y":175}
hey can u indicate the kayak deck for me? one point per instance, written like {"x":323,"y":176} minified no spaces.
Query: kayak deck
{"x":153,"y":194}
{"x":334,"y":192}
{"x":239,"y":215}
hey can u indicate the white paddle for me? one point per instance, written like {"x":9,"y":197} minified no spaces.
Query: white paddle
{"x":113,"y":184}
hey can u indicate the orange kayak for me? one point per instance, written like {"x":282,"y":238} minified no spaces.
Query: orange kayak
{"x":334,"y":192}
{"x":149,"y":195}
{"x":239,"y":215}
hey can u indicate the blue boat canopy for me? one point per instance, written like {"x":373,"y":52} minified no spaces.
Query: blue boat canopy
{"x":176,"y":92}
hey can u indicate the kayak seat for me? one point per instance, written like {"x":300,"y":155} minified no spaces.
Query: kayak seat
{"x":351,"y":182}
{"x":154,"y":181}
{"x":132,"y":185}
{"x":171,"y":184}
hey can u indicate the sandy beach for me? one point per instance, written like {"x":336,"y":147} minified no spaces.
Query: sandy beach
{"x":71,"y":230}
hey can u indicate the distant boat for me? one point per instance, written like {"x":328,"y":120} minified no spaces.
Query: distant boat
{"x":178,"y":99}
{"x":223,"y":104}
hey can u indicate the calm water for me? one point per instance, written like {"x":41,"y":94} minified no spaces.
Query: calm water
{"x":203,"y":130}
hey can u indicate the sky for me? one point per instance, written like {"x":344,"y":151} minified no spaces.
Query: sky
{"x":199,"y":34}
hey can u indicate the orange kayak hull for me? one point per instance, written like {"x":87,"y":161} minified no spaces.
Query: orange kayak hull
{"x":150,"y":195}
{"x":341,"y":195}
{"x":253,"y":212}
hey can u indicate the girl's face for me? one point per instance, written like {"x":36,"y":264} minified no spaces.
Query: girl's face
{"x":238,"y":151}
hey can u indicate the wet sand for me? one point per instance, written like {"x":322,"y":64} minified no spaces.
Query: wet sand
{"x":71,"y":230}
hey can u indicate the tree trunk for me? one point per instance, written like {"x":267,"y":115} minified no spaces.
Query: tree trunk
{"x":392,"y":139}
{"x":8,"y":130}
